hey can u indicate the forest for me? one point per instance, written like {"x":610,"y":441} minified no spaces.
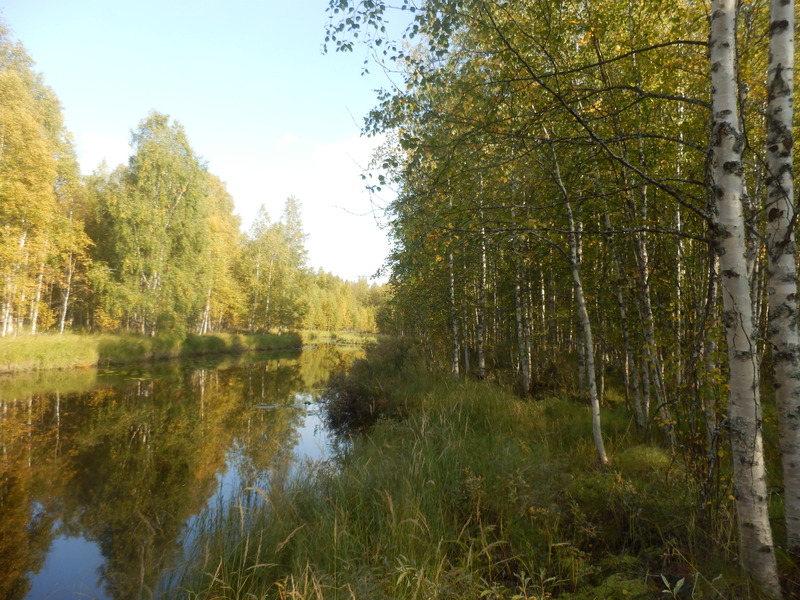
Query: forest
{"x":611,"y":183}
{"x":152,"y":246}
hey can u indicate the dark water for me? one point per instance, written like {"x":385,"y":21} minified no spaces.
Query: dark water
{"x":102,"y":473}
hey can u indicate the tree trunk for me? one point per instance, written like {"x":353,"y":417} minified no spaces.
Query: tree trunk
{"x":781,"y":249}
{"x":62,"y":320}
{"x":631,"y":379}
{"x":756,"y":549}
{"x":454,"y":366}
{"x":254,"y":304}
{"x":37,"y":298}
{"x":480,"y":324}
{"x":583,"y":315}
{"x":588,"y":343}
{"x":205,"y":319}
{"x":524,"y":362}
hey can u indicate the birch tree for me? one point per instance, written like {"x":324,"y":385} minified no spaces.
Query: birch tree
{"x":154,"y":229}
{"x":633,"y":95}
{"x":781,"y":251}
{"x":744,"y":409}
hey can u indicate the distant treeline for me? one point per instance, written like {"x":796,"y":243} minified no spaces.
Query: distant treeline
{"x":151,"y":246}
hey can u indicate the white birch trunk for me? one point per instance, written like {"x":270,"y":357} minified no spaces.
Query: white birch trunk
{"x":6,"y":316}
{"x":62,"y":320}
{"x":37,"y":298}
{"x":205,"y":321}
{"x":588,"y":342}
{"x":465,"y":347}
{"x":454,"y":367}
{"x":756,"y":551}
{"x":781,"y":249}
{"x":480,"y":322}
{"x":254,"y":305}
{"x":707,"y":352}
{"x":20,"y":316}
{"x":678,"y":316}
{"x":583,"y":317}
{"x":268,"y":294}
{"x":524,"y":363}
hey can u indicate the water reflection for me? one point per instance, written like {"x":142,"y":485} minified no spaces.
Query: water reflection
{"x":96,"y":486}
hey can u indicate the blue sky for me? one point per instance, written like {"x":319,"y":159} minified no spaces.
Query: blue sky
{"x":260,"y":103}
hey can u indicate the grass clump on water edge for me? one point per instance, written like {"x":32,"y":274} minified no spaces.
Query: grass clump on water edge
{"x":45,"y":351}
{"x":322,"y":336}
{"x":464,"y":492}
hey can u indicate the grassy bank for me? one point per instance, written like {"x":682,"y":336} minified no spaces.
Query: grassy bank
{"x":42,"y":352}
{"x":466,"y":491}
{"x":320,"y":336}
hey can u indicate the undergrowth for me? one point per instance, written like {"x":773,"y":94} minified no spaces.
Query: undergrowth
{"x":459,"y":489}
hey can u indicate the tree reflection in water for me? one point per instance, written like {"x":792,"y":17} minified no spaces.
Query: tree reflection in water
{"x":126,"y":463}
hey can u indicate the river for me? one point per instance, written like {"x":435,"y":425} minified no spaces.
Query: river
{"x":103,"y":473}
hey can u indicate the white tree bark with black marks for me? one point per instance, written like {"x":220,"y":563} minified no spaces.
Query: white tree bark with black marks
{"x":588,"y":341}
{"x":37,"y":299}
{"x":62,"y":319}
{"x":756,"y":551}
{"x":454,"y":365}
{"x":522,"y":335}
{"x":480,"y":317}
{"x":781,"y":249}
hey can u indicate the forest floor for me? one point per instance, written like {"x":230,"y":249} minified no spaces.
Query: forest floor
{"x":449,"y":488}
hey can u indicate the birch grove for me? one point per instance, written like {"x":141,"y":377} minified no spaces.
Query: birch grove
{"x":669,"y":242}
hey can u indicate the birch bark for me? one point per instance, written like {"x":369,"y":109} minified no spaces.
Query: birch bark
{"x":524,"y":363}
{"x":62,"y":320}
{"x":453,"y":315}
{"x":781,"y":249}
{"x":583,"y":312}
{"x":586,"y":329}
{"x":480,"y":324}
{"x":756,"y":549}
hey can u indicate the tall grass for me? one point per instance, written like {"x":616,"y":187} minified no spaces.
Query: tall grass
{"x":469,"y":492}
{"x":321,"y":336}
{"x":42,"y":352}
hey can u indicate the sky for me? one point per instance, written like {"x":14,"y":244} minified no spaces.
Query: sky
{"x":271,"y":115}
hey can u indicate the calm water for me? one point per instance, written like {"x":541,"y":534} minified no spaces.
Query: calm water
{"x":102,"y":473}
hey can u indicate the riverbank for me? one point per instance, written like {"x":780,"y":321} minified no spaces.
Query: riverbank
{"x":462,"y":490}
{"x":45,"y":351}
{"x":347,"y":338}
